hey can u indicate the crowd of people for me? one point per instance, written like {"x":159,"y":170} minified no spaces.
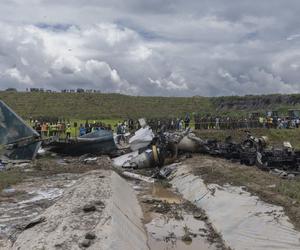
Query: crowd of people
{"x":63,"y":128}
{"x":228,"y":122}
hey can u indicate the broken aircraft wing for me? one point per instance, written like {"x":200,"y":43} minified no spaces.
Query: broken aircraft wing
{"x":19,"y":140}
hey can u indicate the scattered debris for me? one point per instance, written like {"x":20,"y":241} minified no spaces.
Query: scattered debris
{"x":89,"y":208}
{"x":187,"y":235}
{"x":138,"y":177}
{"x":90,"y":236}
{"x":35,"y":222}
{"x":149,"y":162}
{"x":90,"y":160}
{"x":85,"y":243}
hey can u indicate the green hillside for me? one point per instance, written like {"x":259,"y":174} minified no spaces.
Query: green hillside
{"x":109,"y":106}
{"x":96,"y":105}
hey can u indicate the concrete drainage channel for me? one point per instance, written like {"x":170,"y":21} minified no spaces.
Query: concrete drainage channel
{"x":243,"y":220}
{"x":101,"y":210}
{"x":171,"y":222}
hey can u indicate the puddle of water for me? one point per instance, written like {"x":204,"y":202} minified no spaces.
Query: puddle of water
{"x":161,"y":193}
{"x":164,"y":230}
{"x":43,"y":194}
{"x":165,"y":233}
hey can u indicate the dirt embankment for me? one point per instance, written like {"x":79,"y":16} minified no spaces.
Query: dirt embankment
{"x":269,"y":188}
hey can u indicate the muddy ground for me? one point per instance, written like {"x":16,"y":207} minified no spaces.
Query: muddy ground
{"x":172,"y":222}
{"x":45,"y":208}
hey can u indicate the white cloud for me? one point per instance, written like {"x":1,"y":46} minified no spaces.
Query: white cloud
{"x":293,"y":37}
{"x":160,"y":48}
{"x":15,"y":74}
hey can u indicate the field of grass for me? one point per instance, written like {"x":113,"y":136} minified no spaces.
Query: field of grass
{"x":116,"y":106}
{"x":101,"y":106}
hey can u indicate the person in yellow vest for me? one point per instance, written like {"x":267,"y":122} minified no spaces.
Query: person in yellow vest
{"x":68,"y":132}
{"x":270,"y":122}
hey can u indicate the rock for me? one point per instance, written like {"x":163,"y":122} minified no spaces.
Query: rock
{"x":23,"y":165}
{"x":89,"y":208}
{"x":200,"y":216}
{"x":197,"y":215}
{"x":291,"y":176}
{"x":85,"y":243}
{"x":34,"y":222}
{"x":100,"y":203}
{"x":8,"y":191}
{"x":90,"y":236}
{"x":90,"y":160}
{"x":187,"y":238}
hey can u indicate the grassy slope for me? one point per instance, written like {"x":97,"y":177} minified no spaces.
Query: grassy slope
{"x":99,"y":106}
{"x":116,"y":106}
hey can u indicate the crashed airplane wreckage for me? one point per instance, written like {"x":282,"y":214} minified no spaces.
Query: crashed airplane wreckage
{"x":97,"y":142}
{"x":165,"y":148}
{"x":18,"y":141}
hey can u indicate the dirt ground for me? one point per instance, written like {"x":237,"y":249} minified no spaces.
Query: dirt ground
{"x":269,"y":188}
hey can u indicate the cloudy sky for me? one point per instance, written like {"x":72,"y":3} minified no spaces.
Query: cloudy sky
{"x":152,"y":47}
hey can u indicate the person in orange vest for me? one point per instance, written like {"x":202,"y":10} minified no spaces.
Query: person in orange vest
{"x":44,"y":130}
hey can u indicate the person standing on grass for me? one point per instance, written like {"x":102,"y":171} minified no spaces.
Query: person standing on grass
{"x":44,"y":130}
{"x":68,"y":132}
{"x":81,"y":130}
{"x":187,"y":120}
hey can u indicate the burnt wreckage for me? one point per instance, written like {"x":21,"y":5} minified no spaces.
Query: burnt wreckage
{"x":251,"y":151}
{"x":165,"y":147}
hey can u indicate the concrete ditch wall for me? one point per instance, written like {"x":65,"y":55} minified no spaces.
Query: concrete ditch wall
{"x":243,"y":220}
{"x":116,"y":221}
